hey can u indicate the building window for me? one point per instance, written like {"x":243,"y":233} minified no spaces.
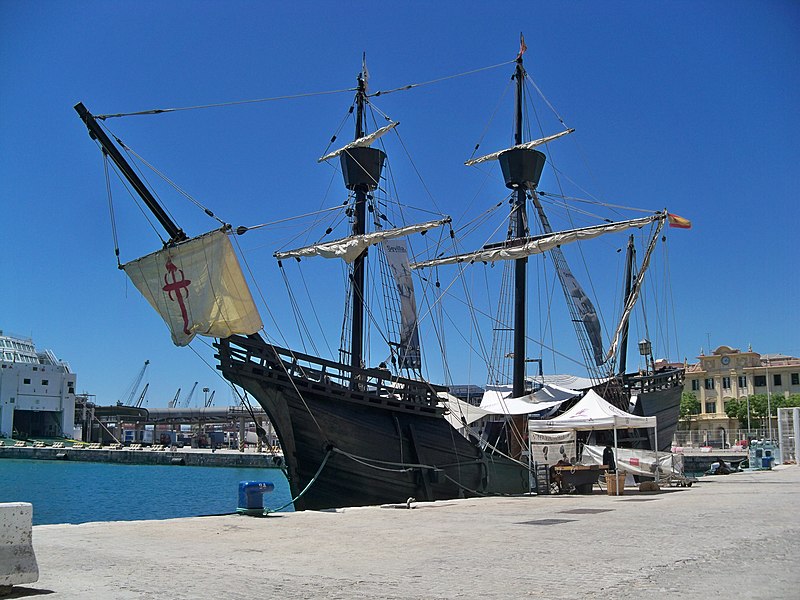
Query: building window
{"x":45,"y":382}
{"x":726,"y":383}
{"x":776,"y":379}
{"x":709,"y":383}
{"x":795,"y":378}
{"x":695,"y":385}
{"x":743,"y":381}
{"x":711,"y":408}
{"x":759,"y":380}
{"x":26,"y":381}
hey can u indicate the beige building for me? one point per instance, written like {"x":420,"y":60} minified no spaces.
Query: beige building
{"x":727,"y":374}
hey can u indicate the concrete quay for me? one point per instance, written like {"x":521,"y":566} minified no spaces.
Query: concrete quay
{"x":733,"y":536}
{"x":196,"y":457}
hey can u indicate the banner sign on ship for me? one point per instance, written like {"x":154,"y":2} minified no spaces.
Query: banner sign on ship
{"x":397,"y":256}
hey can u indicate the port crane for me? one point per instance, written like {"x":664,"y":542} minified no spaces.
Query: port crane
{"x":142,"y":395}
{"x":130,"y":392}
{"x":189,"y":397}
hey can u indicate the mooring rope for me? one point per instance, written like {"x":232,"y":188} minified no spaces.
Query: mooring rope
{"x":305,"y":489}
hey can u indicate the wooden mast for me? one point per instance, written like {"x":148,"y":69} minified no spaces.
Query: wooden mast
{"x":623,"y":344}
{"x":361,"y":169}
{"x":359,"y":228}
{"x":520,"y":265}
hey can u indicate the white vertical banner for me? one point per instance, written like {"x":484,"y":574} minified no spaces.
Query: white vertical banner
{"x":397,"y":256}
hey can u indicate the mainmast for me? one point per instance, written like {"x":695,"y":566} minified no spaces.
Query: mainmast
{"x":522,"y":168}
{"x":520,"y":265}
{"x":361,"y":168}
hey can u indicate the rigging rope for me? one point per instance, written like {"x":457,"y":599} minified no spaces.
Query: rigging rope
{"x":158,"y":111}
{"x":175,"y":186}
{"x":416,"y":85}
{"x":111,"y":209}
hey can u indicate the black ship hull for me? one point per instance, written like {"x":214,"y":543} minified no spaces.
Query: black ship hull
{"x":380,"y":441}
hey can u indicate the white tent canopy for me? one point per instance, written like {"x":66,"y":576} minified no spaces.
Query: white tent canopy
{"x":497,"y":400}
{"x":592,"y":412}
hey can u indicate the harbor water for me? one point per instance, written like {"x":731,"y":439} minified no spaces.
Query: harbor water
{"x":80,"y":492}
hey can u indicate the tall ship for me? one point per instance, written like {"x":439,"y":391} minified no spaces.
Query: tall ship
{"x":355,"y":434}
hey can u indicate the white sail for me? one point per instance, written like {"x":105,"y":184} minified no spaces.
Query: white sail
{"x":634,"y":295}
{"x":520,"y":248}
{"x":525,"y":146}
{"x":362,"y":141}
{"x":350,"y":248}
{"x":198,"y":288}
{"x":396,"y":252}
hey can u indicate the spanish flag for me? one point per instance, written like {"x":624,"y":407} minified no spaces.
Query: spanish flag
{"x":522,"y":46}
{"x":679,"y":222}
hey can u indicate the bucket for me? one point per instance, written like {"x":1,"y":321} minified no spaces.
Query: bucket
{"x":615,"y":483}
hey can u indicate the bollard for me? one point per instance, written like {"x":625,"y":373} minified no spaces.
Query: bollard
{"x":251,"y":497}
{"x":17,"y":560}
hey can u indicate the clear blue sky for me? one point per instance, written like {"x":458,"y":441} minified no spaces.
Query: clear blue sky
{"x":689,"y":105}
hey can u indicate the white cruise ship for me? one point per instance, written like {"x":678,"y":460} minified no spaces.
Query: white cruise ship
{"x":37,"y":391}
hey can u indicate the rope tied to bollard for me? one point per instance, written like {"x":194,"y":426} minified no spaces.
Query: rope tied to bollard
{"x":267,"y":511}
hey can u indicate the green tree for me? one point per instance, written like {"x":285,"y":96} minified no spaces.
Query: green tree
{"x":690,"y":406}
{"x":790,"y":402}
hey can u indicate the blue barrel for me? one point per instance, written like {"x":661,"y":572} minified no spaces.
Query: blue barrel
{"x":251,"y":496}
{"x":766,"y":462}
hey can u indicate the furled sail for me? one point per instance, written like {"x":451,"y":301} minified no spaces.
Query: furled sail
{"x":362,"y":141}
{"x":396,"y":252}
{"x":350,"y":248}
{"x":526,"y":146}
{"x":197,"y":287}
{"x":634,"y":295}
{"x":585,"y":309}
{"x":522,"y":247}
{"x":577,"y":299}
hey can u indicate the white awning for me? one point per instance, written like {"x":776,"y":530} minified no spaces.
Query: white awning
{"x":592,"y":413}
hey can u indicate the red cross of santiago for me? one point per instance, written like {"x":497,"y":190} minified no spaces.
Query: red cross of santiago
{"x":177,"y":290}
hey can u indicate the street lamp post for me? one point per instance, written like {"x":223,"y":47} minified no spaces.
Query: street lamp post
{"x":646,"y":350}
{"x":769,"y":404}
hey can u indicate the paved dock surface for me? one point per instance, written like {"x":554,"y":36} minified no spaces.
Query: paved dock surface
{"x":734,"y":536}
